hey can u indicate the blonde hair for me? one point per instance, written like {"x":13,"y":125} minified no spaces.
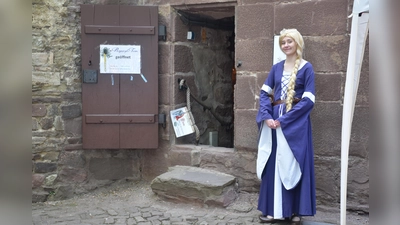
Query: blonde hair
{"x":296,"y":36}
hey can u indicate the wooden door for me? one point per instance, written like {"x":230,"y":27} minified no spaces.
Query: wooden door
{"x":119,"y":111}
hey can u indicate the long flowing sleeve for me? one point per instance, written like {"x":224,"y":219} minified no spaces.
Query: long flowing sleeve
{"x":265,"y":110}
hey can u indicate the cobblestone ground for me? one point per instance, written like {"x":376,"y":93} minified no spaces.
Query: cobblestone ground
{"x":134,"y":203}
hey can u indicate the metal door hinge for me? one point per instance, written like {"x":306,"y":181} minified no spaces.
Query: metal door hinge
{"x":162,"y":119}
{"x":162,"y":32}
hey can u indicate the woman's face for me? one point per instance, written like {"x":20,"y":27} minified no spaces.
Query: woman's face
{"x":288,"y":46}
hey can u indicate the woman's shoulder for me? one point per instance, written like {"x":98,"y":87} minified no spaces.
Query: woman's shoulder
{"x":278,"y":65}
{"x":305,"y":65}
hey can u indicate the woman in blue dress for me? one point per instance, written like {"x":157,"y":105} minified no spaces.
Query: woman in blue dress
{"x":285,"y":160}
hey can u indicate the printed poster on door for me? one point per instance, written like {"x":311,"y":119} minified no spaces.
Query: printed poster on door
{"x":120,"y":59}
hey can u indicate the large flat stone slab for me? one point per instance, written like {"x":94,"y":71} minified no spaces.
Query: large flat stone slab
{"x":197,"y":185}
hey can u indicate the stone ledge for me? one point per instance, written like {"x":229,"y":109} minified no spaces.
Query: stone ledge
{"x":196,"y":185}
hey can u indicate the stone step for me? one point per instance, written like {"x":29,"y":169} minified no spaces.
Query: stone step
{"x":196,"y":185}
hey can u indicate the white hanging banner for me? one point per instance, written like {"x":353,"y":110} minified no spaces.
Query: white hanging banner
{"x":360,"y":6}
{"x":358,"y":36}
{"x":120,"y":59}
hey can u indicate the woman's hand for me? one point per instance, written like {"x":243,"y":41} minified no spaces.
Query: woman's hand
{"x":273,"y":124}
{"x":270,"y":123}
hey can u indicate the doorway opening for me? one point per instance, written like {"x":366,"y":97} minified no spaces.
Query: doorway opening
{"x":211,"y":41}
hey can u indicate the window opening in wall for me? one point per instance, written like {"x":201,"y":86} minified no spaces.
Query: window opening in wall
{"x":212,"y":80}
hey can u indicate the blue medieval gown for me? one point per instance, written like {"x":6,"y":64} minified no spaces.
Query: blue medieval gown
{"x":285,"y":160}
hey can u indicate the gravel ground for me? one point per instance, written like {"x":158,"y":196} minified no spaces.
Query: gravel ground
{"x":131,"y":194}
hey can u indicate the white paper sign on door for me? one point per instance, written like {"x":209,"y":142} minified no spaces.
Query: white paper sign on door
{"x":120,"y":59}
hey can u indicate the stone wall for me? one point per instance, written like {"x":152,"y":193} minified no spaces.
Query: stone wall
{"x":326,"y":29}
{"x":61,"y":169}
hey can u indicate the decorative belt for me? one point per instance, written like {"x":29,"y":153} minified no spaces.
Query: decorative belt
{"x":280,"y":101}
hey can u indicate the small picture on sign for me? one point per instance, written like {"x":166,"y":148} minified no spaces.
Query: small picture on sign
{"x":105,"y":53}
{"x":120,"y":59}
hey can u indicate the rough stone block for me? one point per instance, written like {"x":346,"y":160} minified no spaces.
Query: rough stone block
{"x":250,"y":2}
{"x":255,"y":55}
{"x":199,"y":2}
{"x":63,"y":192}
{"x":35,"y":124}
{"x":37,"y":180}
{"x":41,"y":58}
{"x":39,"y":196}
{"x":74,"y":140}
{"x":73,"y":175}
{"x":165,"y":89}
{"x":358,"y":184}
{"x":53,"y":110}
{"x":183,"y":59}
{"x":326,"y":120}
{"x":327,"y":53}
{"x":74,"y":159}
{"x":45,"y":99}
{"x":46,"y":123}
{"x":50,"y":156}
{"x":240,"y":164}
{"x":312,"y":17}
{"x":195,"y":157}
{"x":71,"y":111}
{"x":261,"y":77}
{"x":192,"y":184}
{"x":223,"y":94}
{"x":110,"y":168}
{"x":49,"y":180}
{"x":44,"y":167}
{"x":73,"y":147}
{"x":58,"y":123}
{"x":73,"y":126}
{"x":255,"y":21}
{"x":39,"y":110}
{"x":180,"y":155}
{"x":38,"y":140}
{"x":155,"y":162}
{"x":327,"y":173}
{"x":50,"y":78}
{"x":246,"y":136}
{"x":36,"y":157}
{"x":164,"y":58}
{"x":55,"y":140}
{"x":71,"y":96}
{"x":360,"y":132}
{"x":245,"y":92}
{"x":328,"y":87}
